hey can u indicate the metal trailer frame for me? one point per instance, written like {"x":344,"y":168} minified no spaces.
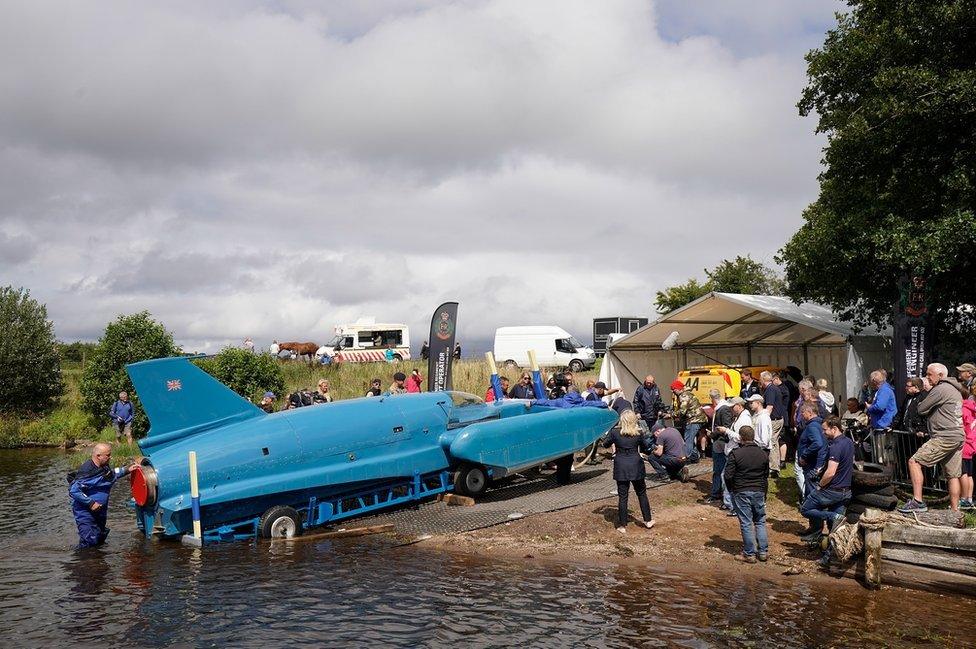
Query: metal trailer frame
{"x":319,"y":510}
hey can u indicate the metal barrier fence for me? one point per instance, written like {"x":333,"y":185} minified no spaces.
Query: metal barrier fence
{"x":893,"y":448}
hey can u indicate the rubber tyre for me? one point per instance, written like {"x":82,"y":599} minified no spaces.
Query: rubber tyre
{"x":275,"y":524}
{"x":510,"y":364}
{"x":471,"y":480}
{"x":886,"y":503}
{"x":852,"y":517}
{"x":398,"y":358}
{"x":576,"y":366}
{"x":887,"y":490}
{"x":872,"y":475}
{"x":564,"y":470}
{"x":856,"y":508}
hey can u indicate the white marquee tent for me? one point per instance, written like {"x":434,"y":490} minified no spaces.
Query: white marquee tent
{"x":748,"y":330}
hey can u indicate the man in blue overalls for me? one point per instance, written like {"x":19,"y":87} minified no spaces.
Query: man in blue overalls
{"x":90,"y":486}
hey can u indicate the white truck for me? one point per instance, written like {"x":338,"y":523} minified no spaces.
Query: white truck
{"x":553,"y":347}
{"x":368,"y":341}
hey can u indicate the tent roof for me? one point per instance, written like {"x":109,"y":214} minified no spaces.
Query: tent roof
{"x":734,"y":319}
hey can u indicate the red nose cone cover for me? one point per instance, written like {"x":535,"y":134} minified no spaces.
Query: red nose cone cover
{"x":137,"y":482}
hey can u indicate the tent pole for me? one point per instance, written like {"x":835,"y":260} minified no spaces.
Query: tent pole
{"x":806,"y":359}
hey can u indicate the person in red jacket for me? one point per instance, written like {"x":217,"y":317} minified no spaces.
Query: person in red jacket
{"x":414,"y":381}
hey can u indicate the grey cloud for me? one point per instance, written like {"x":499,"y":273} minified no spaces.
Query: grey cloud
{"x":158,"y":271}
{"x":16,"y":248}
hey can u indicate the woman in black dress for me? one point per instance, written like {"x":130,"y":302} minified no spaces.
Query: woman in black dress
{"x":628,"y":468}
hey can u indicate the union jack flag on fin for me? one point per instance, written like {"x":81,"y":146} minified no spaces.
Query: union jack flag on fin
{"x":174,"y":385}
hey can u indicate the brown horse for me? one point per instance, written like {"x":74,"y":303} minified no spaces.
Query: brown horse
{"x":301,"y":349}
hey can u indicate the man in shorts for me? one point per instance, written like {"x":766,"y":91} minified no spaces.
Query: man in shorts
{"x":942,"y":408}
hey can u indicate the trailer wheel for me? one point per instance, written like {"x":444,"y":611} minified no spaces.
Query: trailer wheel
{"x":510,"y":364}
{"x":470,"y":480}
{"x":576,"y":365}
{"x":564,"y":469}
{"x":398,"y":358}
{"x":280,"y":522}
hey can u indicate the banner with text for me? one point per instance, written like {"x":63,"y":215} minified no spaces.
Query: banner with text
{"x":912,"y":338}
{"x":443,"y":327}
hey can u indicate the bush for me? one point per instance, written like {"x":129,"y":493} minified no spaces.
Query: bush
{"x":30,"y":372}
{"x":129,"y":339}
{"x":246,"y":373}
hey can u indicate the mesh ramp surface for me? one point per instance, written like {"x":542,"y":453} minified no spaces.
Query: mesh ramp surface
{"x":535,"y":495}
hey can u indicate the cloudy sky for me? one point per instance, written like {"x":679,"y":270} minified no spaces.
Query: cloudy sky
{"x":270,"y":169}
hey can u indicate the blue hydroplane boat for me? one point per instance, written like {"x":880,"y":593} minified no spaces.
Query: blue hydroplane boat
{"x":276,"y":475}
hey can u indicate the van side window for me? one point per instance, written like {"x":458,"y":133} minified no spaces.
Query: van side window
{"x":563,"y":345}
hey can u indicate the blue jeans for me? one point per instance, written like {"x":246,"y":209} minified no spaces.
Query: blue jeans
{"x":691,"y":432}
{"x":667,"y":466}
{"x":750,"y":507}
{"x":719,"y":461}
{"x":821,"y":505}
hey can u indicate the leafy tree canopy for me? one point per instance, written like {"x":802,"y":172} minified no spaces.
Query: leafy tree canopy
{"x":30,"y":370}
{"x":128,"y":339}
{"x":740,"y":275}
{"x":894,"y":88}
{"x":246,"y":373}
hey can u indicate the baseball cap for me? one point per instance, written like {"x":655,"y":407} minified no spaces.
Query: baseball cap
{"x":600,"y":384}
{"x":756,"y":397}
{"x":269,"y":395}
{"x":737,"y":401}
{"x":677,"y":385}
{"x":967,"y":367}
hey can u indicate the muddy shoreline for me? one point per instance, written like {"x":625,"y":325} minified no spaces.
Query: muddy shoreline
{"x":688,"y":536}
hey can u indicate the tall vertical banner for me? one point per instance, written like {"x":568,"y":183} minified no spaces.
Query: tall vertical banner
{"x":912,"y":342}
{"x":443,"y":327}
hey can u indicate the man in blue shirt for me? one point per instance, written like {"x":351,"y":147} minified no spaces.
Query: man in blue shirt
{"x":825,"y":504}
{"x":883,"y":408}
{"x":122,"y":414}
{"x":89,"y":489}
{"x":811,"y":453}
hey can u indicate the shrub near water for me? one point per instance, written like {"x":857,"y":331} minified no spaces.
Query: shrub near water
{"x":30,"y":373}
{"x":246,"y":373}
{"x":128,"y":339}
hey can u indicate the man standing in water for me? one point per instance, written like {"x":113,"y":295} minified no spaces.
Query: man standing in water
{"x":90,"y":486}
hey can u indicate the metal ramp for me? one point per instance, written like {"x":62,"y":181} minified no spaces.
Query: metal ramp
{"x":534,"y":495}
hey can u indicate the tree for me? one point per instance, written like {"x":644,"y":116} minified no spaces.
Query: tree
{"x":740,"y":275}
{"x":129,"y":339}
{"x":30,"y":370}
{"x":246,"y":373}
{"x":894,"y":86}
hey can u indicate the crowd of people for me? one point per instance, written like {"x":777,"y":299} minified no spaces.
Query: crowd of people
{"x":749,"y":435}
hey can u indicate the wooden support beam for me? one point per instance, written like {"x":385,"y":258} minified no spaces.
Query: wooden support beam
{"x":872,"y":558}
{"x":961,"y":562}
{"x":896,"y":573}
{"x":939,"y":537}
{"x":338,"y":534}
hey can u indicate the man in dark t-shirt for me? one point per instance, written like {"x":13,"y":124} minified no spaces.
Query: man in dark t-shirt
{"x":825,"y":504}
{"x":668,"y":457}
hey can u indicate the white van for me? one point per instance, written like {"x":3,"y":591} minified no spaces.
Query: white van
{"x":367,"y":341}
{"x":553,"y":347}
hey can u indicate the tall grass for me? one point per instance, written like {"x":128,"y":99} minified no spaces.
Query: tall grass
{"x":351,"y":380}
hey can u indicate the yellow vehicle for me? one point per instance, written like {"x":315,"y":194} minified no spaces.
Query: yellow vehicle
{"x":727,"y":380}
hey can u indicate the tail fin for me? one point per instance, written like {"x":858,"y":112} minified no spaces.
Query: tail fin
{"x":181,"y":400}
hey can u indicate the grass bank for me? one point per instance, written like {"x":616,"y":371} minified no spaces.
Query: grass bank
{"x":59,"y":428}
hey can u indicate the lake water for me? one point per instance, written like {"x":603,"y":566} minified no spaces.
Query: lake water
{"x":356,"y":592}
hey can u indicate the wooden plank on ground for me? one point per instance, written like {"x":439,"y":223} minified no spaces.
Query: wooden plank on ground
{"x":337,"y":534}
{"x":455,"y":499}
{"x":896,"y":573}
{"x":962,"y":562}
{"x":939,"y":537}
